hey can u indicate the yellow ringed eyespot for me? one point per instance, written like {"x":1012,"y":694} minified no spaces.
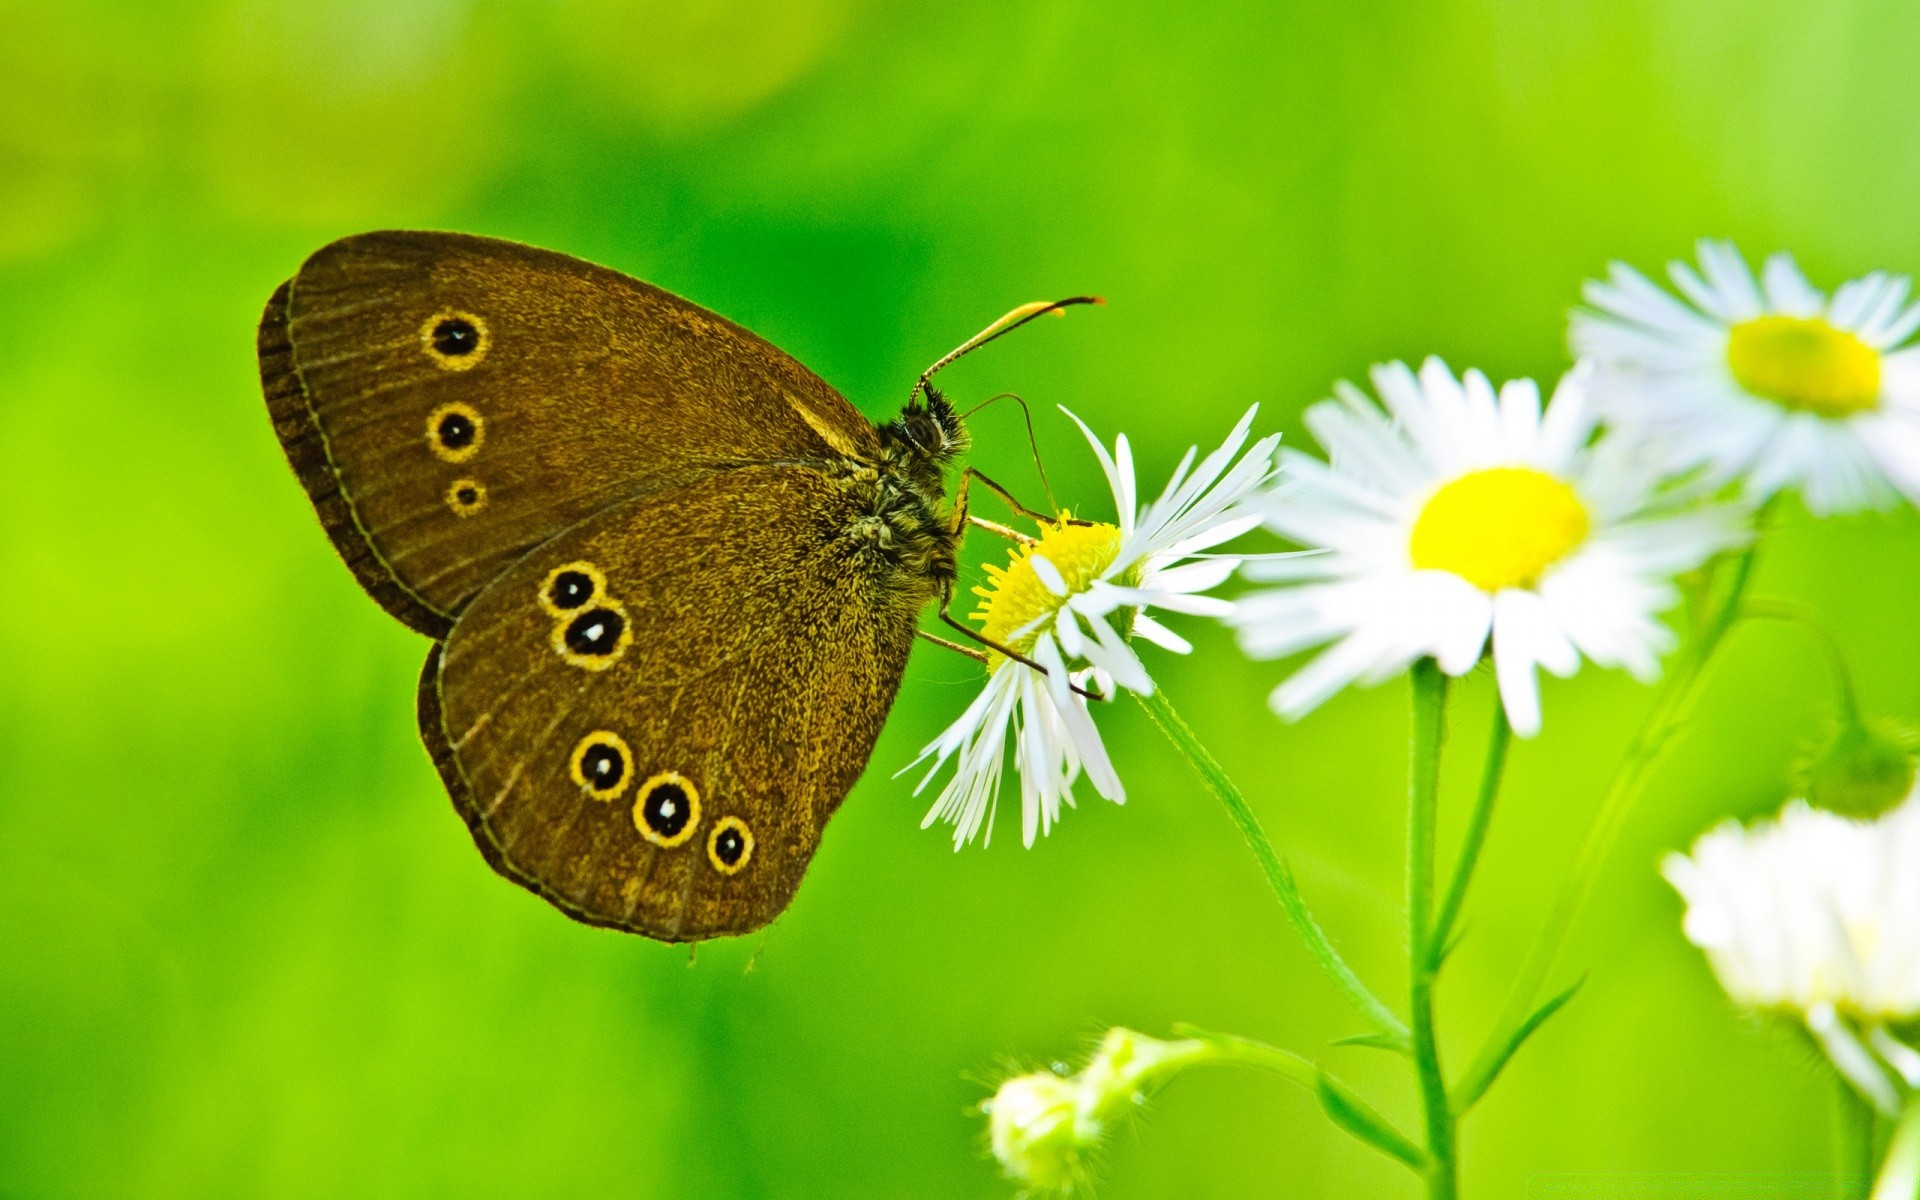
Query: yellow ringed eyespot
{"x":455,"y":431}
{"x":602,"y":765}
{"x":455,"y":340}
{"x":569,"y":588}
{"x":666,"y":810}
{"x":466,"y":497}
{"x":730,"y":845}
{"x":596,"y":638}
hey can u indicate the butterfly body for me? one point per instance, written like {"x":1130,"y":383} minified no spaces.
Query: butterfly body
{"x":673,"y":577}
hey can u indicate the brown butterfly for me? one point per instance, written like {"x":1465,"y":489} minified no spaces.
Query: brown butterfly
{"x":672,"y":575}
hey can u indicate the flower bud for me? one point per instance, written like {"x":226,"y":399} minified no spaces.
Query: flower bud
{"x":1044,"y":1126}
{"x":1863,"y":770}
{"x":1031,"y":1123}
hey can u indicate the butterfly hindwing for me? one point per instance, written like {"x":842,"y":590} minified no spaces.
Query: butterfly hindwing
{"x":451,"y":402}
{"x":589,"y":706}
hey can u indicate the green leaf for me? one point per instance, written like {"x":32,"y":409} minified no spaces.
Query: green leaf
{"x":1475,"y":1086}
{"x":1375,"y":1041}
{"x":1358,"y":1118}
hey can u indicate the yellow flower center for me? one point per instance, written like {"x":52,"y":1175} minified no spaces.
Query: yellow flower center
{"x":1014,"y":597}
{"x":1805,"y":364}
{"x":1499,"y":528}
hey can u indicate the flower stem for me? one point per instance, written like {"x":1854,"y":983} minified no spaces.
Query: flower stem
{"x":1845,"y":694}
{"x":1669,"y":714}
{"x":1853,"y":1122}
{"x":1475,"y":839}
{"x":1900,"y":1175}
{"x":1279,"y":874}
{"x":1340,"y":1102}
{"x":1423,"y":795}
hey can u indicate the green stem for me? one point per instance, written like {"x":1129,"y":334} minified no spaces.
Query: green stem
{"x":1229,"y":1048}
{"x":1900,"y":1175}
{"x":1799,"y":614}
{"x":1340,"y":1102}
{"x":1279,"y":874}
{"x":1853,"y":1120}
{"x":1669,"y":714}
{"x":1429,"y":733}
{"x":1491,"y":773}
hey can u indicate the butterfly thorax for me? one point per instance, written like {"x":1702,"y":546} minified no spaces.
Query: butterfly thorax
{"x":902,"y":527}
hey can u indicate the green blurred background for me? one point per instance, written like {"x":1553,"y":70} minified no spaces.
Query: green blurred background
{"x":246,"y":948}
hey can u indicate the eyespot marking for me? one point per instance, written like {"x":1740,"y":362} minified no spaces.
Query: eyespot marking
{"x":466,"y":497}
{"x":602,"y":765}
{"x":667,"y":809}
{"x":455,"y":432}
{"x":455,"y":340}
{"x":596,"y":638}
{"x":570,"y":587}
{"x":730,"y":845}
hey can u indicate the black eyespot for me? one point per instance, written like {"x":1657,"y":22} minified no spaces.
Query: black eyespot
{"x":456,"y":431}
{"x":601,"y":764}
{"x":730,"y":845}
{"x":570,"y":589}
{"x":466,"y":497}
{"x":666,"y":810}
{"x":603,"y":767}
{"x":596,"y":632}
{"x":456,"y":337}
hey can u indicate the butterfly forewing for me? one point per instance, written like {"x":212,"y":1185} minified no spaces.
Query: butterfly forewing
{"x":451,"y":402}
{"x":588,"y":708}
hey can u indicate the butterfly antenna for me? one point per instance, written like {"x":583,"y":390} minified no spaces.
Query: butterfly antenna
{"x":1005,"y":325}
{"x":1033,"y":443}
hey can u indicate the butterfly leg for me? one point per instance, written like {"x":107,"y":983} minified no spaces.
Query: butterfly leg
{"x":996,"y":647}
{"x":972,"y":473}
{"x":956,"y":647}
{"x":995,"y":527}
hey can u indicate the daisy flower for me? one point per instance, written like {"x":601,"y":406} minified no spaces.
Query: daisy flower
{"x":1460,"y":516}
{"x":1071,"y":600}
{"x":1767,"y":381}
{"x":1817,"y":916}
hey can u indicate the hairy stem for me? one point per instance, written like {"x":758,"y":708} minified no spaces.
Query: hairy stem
{"x":1279,"y":874}
{"x":1845,"y":694}
{"x":1853,"y":1127}
{"x":1900,"y":1174}
{"x":1423,"y":795}
{"x":1475,"y":839}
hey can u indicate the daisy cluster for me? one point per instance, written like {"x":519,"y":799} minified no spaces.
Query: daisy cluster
{"x":1454,"y":519}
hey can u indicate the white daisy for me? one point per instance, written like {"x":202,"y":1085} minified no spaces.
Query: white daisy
{"x":1817,"y":916}
{"x":1809,"y":908}
{"x":1767,"y":381}
{"x":1070,"y":600}
{"x":1463,"y":516}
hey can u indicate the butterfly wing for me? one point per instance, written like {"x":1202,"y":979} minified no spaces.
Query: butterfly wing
{"x":449,"y":402}
{"x":650,"y":721}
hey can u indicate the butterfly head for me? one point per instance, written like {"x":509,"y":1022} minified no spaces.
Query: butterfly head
{"x":923,"y":441}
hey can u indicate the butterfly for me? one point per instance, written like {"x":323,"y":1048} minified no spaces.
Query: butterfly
{"x":672,"y":576}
